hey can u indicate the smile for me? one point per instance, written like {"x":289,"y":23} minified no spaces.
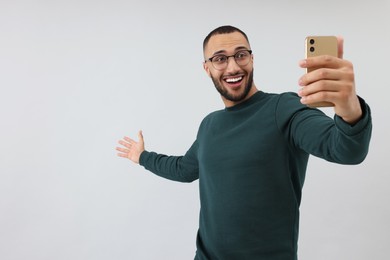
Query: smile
{"x":233,"y":80}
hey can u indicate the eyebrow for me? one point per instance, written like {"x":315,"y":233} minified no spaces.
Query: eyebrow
{"x":236,"y":49}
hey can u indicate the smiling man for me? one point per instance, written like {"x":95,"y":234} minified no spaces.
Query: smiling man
{"x":251,"y":157}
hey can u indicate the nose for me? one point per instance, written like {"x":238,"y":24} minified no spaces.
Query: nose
{"x":232,"y":64}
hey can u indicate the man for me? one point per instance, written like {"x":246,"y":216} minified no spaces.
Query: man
{"x":251,"y":157}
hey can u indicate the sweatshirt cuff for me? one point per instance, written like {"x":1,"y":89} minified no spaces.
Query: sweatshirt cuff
{"x":358,"y":127}
{"x":143,"y":158}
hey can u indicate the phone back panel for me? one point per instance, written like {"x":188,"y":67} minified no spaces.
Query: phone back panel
{"x":317,"y":46}
{"x":321,"y":45}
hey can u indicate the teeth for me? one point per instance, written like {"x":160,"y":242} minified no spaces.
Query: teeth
{"x":232,"y":80}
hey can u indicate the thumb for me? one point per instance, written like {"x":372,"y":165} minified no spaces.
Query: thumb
{"x":140,"y":137}
{"x":340,"y":45}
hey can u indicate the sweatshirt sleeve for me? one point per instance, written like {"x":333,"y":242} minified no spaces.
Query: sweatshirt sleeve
{"x":176,"y":168}
{"x":314,"y":132}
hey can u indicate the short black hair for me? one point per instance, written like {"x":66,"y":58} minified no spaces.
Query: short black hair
{"x":222,"y":30}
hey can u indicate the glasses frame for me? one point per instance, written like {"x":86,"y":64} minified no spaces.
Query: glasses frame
{"x":227,"y":58}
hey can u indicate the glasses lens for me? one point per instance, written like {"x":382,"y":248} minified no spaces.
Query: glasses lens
{"x":219,"y":62}
{"x":242,"y":57}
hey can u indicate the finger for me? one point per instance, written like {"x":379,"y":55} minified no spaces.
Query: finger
{"x":323,"y":91}
{"x":122,"y":155}
{"x":129,"y":140}
{"x":340,"y":46}
{"x":128,"y":145}
{"x":321,"y":97}
{"x":323,"y":61}
{"x":317,"y":98}
{"x":140,"y":136}
{"x":320,"y":86}
{"x":319,"y":74}
{"x":123,"y":150}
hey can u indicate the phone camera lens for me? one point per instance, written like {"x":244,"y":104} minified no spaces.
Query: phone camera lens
{"x":312,"y":41}
{"x":312,"y":49}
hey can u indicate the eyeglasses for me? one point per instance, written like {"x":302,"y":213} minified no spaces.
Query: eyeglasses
{"x":220,"y":61}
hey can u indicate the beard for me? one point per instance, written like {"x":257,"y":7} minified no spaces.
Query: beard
{"x":231,"y":97}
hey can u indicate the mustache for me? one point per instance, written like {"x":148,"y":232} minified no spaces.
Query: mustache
{"x":239,"y":73}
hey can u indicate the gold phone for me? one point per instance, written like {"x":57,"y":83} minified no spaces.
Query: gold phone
{"x":317,"y":46}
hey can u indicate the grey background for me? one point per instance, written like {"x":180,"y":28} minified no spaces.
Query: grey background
{"x":76,"y":76}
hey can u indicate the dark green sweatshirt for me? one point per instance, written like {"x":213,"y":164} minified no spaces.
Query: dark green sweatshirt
{"x":251,"y":160}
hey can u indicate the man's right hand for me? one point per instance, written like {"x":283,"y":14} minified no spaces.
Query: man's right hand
{"x":131,"y":149}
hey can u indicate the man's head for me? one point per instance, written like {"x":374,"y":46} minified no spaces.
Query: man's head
{"x":229,"y":63}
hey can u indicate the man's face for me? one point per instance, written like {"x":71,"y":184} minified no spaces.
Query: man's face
{"x":233,"y":82}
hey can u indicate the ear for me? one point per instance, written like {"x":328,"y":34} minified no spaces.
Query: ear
{"x":206,"y":68}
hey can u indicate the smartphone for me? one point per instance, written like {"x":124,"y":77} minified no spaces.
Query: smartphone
{"x":317,"y":46}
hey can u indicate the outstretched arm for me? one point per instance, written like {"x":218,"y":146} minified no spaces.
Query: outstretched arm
{"x":177,"y":168}
{"x":334,"y":82}
{"x":130,"y":148}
